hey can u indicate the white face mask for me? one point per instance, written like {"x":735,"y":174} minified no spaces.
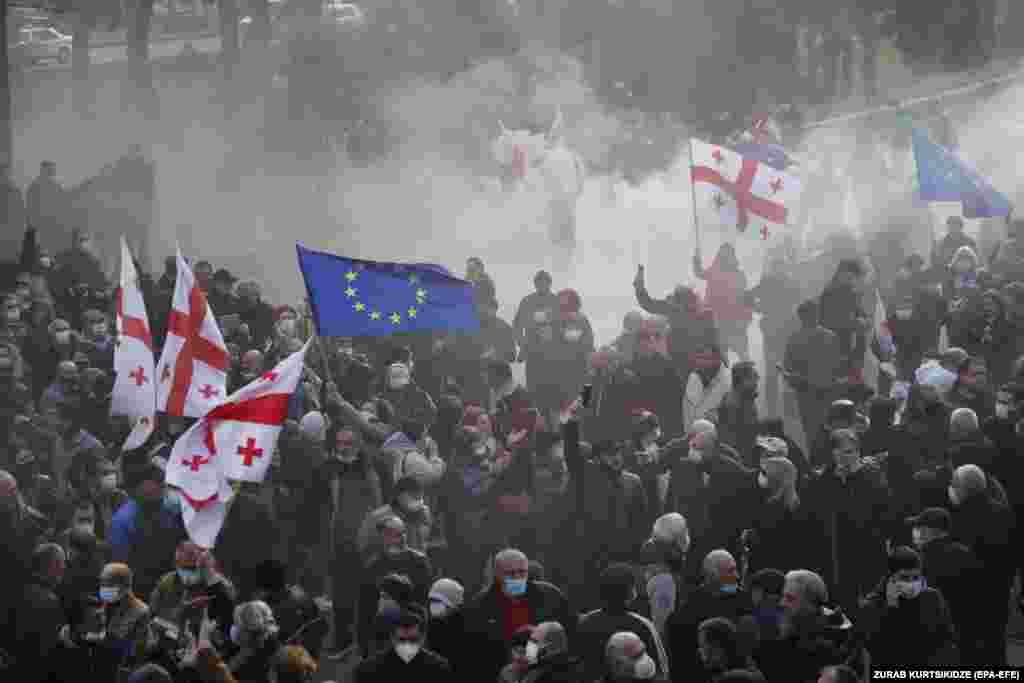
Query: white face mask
{"x":532,"y":652}
{"x":645,"y":668}
{"x":954,"y":496}
{"x":918,"y":537}
{"x":762,"y":480}
{"x":63,"y":337}
{"x":108,"y":482}
{"x":397,"y":383}
{"x":438,"y":610}
{"x":407,"y":651}
{"x":1002,"y":411}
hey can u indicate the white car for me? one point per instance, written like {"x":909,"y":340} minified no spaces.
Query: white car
{"x":39,"y":43}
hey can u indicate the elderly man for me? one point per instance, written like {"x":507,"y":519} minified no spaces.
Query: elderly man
{"x":255,"y":312}
{"x":985,"y":524}
{"x":813,"y":636}
{"x":710,"y":487}
{"x":618,"y":592}
{"x":182,"y":595}
{"x":513,"y":600}
{"x":968,"y":445}
{"x":39,"y":617}
{"x":548,"y":657}
{"x":627,"y":659}
{"x":718,"y":596}
{"x":665,"y":566}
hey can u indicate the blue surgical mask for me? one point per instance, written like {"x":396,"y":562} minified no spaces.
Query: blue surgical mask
{"x":189,"y":577}
{"x":235,"y":634}
{"x":109,"y":595}
{"x":768,"y":616}
{"x":730,"y":588}
{"x":515,"y":588}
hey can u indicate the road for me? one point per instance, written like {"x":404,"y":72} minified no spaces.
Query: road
{"x":162,"y":49}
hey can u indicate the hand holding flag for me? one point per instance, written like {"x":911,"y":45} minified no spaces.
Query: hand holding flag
{"x":134,"y":393}
{"x":233,"y":442}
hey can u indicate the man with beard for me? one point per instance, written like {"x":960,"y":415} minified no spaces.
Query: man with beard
{"x":346,"y":489}
{"x":39,"y":617}
{"x":664,"y":559}
{"x":985,"y":525}
{"x":711,"y":488}
{"x":841,"y":312}
{"x":812,"y":635}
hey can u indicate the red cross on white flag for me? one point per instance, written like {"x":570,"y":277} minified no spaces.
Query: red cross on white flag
{"x":741,"y":192}
{"x":233,"y":442}
{"x":134,"y":392}
{"x":194,"y":361}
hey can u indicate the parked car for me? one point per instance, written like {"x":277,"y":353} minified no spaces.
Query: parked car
{"x":39,"y":43}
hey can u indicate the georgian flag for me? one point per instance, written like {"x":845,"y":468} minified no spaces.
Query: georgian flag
{"x":134,"y":392}
{"x":192,"y":372}
{"x":739,"y":191}
{"x":234,"y":442}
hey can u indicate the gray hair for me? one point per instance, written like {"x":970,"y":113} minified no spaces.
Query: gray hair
{"x":809,"y":584}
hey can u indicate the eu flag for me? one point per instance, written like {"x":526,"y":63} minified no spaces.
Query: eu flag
{"x":356,"y":298}
{"x":942,"y":177}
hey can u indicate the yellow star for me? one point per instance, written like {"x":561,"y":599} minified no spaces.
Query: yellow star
{"x":360,"y":306}
{"x":350,"y":292}
{"x":395,"y":318}
{"x":375,"y":316}
{"x":351,"y":275}
{"x":412,"y":312}
{"x":414,"y":279}
{"x":421,"y":294}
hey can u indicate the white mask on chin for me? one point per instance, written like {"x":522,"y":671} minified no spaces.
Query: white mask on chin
{"x":407,"y":651}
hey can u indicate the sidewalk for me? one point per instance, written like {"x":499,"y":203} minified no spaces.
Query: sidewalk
{"x":119,"y":38}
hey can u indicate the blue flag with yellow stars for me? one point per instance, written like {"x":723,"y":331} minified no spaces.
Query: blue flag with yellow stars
{"x":942,"y":177}
{"x":356,"y":298}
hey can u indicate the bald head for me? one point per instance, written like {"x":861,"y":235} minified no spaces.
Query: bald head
{"x":672,"y":528}
{"x":9,"y":499}
{"x":963,"y":422}
{"x":720,"y":567}
{"x":803,"y":591}
{"x":703,"y":435}
{"x":968,"y":481}
{"x":551,"y":638}
{"x":627,"y":657}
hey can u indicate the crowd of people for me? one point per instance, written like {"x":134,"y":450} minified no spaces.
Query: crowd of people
{"x":633,"y":511}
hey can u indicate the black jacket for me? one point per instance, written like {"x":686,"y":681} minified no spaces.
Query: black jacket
{"x":916,"y":633}
{"x":36,"y":623}
{"x":681,"y":629}
{"x":410,"y":563}
{"x":485,"y":629}
{"x":595,"y":628}
{"x":952,"y":568}
{"x":388,"y":667}
{"x":560,"y":668}
{"x":446,"y":638}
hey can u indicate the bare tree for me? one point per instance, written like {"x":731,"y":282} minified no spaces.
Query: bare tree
{"x":138,"y":53}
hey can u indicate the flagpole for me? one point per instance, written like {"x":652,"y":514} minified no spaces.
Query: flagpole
{"x":693,"y":198}
{"x":323,"y":357}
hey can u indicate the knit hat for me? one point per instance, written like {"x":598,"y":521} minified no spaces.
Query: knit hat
{"x":771,"y":581}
